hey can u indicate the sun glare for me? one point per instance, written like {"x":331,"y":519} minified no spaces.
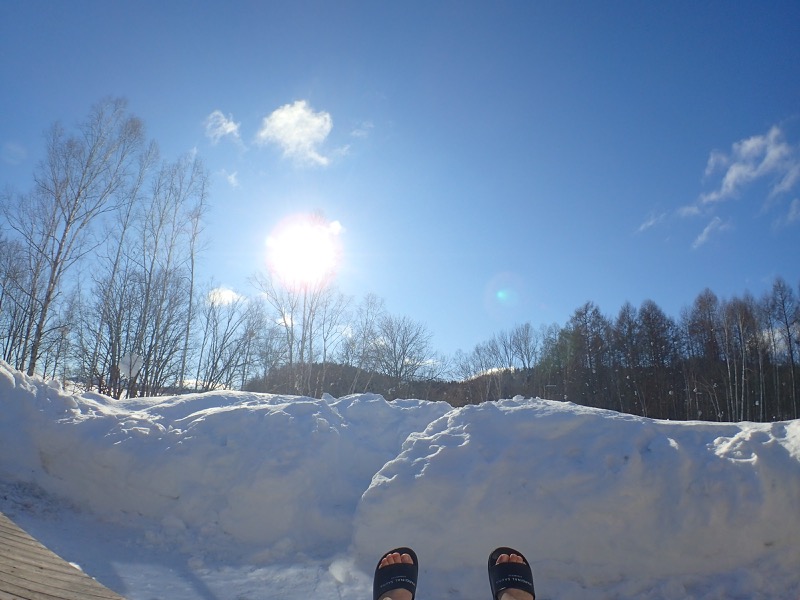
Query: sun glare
{"x":305,"y":251}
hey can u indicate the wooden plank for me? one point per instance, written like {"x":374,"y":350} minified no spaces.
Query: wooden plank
{"x":30,"y":571}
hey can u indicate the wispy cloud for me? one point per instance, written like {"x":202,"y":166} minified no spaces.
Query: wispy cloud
{"x":299,"y":131}
{"x":794,"y":211}
{"x":218,"y":126}
{"x":652,"y":221}
{"x":231,"y":178}
{"x":791,"y":216}
{"x":12,"y":153}
{"x":767,"y":156}
{"x":691,"y":210}
{"x":715,"y":226}
{"x":768,"y":161}
{"x":363,"y":130}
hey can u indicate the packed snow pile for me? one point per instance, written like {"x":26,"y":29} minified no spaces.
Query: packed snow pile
{"x":603,"y":504}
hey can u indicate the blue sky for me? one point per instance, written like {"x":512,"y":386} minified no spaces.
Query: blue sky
{"x":489,"y":163}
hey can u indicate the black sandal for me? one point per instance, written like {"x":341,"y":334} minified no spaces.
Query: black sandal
{"x":394,"y":577}
{"x":508,"y":575}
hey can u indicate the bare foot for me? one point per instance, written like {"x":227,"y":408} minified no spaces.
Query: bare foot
{"x":511,"y":594}
{"x":396,"y":559}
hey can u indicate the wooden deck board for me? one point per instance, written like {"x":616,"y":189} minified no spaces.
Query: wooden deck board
{"x":29,"y":571}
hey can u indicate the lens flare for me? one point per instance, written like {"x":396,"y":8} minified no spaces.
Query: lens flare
{"x":305,"y":251}
{"x":505,"y":296}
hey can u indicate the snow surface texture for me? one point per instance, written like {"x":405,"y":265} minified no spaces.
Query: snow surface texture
{"x":252,"y":496}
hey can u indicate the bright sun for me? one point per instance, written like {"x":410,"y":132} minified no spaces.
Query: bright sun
{"x":305,"y":251}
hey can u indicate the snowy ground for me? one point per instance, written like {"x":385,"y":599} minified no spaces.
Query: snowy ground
{"x":242,"y":496}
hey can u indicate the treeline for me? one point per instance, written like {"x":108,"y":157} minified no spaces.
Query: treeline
{"x":98,"y":286}
{"x":721,"y":360}
{"x":727,"y":360}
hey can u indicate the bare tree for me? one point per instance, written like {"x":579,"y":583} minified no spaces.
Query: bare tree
{"x":195,"y":214}
{"x":504,"y":349}
{"x":110,"y":267}
{"x":269,"y":347}
{"x":738,"y":330}
{"x":101,"y":323}
{"x":248,"y":343}
{"x":658,"y":350}
{"x":163,"y":278}
{"x":332,"y":314}
{"x":627,"y":356}
{"x":16,"y":300}
{"x":549,"y":365}
{"x":359,"y":347}
{"x":403,"y":348}
{"x":525,"y":341}
{"x":488,"y":368}
{"x":701,"y":326}
{"x":786,"y":313}
{"x":589,"y":335}
{"x":82,"y":178}
{"x":284,"y":303}
{"x":224,"y":340}
{"x":313,"y":297}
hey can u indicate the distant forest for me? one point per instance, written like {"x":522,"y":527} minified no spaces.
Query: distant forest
{"x":728,"y":360}
{"x":98,"y":286}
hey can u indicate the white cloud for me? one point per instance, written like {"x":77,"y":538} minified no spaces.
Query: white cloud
{"x":341,"y":151}
{"x":716,"y":161}
{"x":753,"y":159}
{"x":223,"y":296}
{"x":231,"y":178}
{"x":689,"y":211}
{"x":335,"y":228}
{"x":791,"y":216}
{"x":362,"y":130}
{"x":652,"y":221}
{"x":298,"y":131}
{"x":768,"y":160}
{"x":717,"y":225}
{"x":789,"y":180}
{"x":794,"y":211}
{"x":218,"y":126}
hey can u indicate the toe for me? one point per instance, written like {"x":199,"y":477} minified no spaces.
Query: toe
{"x":395,"y":558}
{"x":392,"y":559}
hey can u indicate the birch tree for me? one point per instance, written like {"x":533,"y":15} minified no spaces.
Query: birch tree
{"x":164,"y":280}
{"x":82,"y":178}
{"x":359,"y":347}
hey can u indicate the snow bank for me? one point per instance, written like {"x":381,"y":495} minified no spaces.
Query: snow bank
{"x":605,"y":505}
{"x":280,"y":474}
{"x":595,"y":498}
